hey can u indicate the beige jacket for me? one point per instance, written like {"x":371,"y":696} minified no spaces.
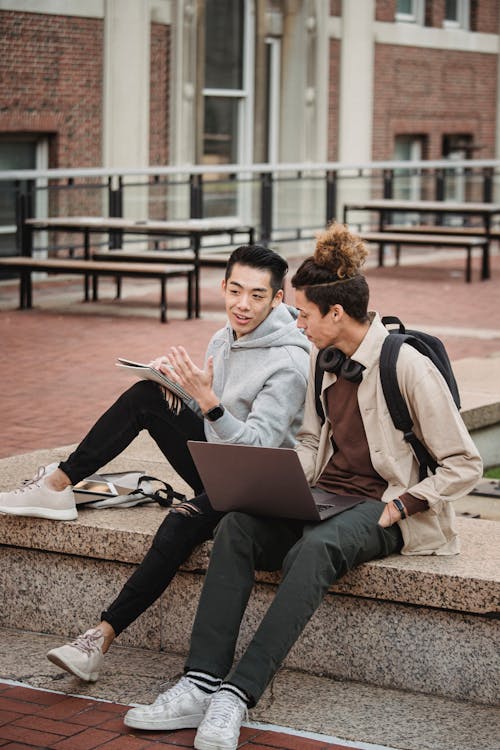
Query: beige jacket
{"x":436,"y":422}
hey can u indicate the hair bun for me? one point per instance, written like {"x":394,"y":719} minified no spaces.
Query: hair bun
{"x":339,"y":251}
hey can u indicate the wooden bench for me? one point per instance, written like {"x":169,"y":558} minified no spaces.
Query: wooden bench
{"x":119,"y":255}
{"x":94,"y":268}
{"x":398,"y":239}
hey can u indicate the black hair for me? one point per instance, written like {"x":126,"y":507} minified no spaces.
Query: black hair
{"x":331,"y":276}
{"x":258,"y":256}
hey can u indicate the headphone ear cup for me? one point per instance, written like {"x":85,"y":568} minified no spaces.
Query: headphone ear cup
{"x":352,"y":370}
{"x":331,"y":359}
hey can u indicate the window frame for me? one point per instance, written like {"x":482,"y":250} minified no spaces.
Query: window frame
{"x":417,"y":16}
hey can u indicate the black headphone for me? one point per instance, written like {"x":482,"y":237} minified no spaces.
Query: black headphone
{"x":333,"y":360}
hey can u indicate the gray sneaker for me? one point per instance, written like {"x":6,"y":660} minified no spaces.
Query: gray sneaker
{"x":220,"y":728}
{"x":181,"y":707}
{"x":34,"y":498}
{"x":83,"y":657}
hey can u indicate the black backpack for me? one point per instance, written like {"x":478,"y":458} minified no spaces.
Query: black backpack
{"x":428,"y":345}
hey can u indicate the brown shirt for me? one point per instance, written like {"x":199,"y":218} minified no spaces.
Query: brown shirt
{"x":350,"y":470}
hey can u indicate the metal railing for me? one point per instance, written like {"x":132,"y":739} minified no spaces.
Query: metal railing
{"x":284,"y":202}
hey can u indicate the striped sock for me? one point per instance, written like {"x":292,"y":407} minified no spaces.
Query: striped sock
{"x":206,"y":682}
{"x":238,"y":692}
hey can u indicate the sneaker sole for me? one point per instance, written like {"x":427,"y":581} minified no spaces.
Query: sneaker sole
{"x":203,"y":744}
{"x":54,"y":515}
{"x":87,"y":676}
{"x":182,"y":722}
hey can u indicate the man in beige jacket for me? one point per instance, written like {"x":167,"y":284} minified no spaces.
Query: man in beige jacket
{"x":357,"y":451}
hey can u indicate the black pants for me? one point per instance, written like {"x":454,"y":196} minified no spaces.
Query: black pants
{"x":143,"y":406}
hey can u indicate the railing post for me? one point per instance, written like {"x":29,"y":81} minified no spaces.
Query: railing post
{"x":20,"y":208}
{"x":115,"y":200}
{"x":440,"y":185}
{"x":388,"y":180}
{"x":196,"y":196}
{"x":266,"y":207}
{"x":487,"y":184}
{"x":331,"y":196}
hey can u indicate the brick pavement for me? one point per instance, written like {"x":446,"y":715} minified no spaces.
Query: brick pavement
{"x":57,"y":370}
{"x":38,"y":720}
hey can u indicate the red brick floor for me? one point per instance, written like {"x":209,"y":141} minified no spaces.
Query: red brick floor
{"x":37,"y":720}
{"x":57,"y":369}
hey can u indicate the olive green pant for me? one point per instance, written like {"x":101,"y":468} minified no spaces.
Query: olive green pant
{"x":312,"y":557}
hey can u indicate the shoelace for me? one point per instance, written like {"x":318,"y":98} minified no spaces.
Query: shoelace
{"x":27,"y":483}
{"x":222,"y":708}
{"x":87,"y":643}
{"x":177,"y":689}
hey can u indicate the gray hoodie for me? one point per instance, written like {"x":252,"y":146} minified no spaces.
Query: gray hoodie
{"x":261,"y":381}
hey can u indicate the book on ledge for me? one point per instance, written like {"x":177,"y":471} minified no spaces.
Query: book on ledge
{"x":176,"y":396}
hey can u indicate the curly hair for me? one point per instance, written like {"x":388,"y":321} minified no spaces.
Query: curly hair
{"x":332,"y":275}
{"x":339,"y":251}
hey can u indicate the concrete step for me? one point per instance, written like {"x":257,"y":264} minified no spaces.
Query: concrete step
{"x":346,"y":711}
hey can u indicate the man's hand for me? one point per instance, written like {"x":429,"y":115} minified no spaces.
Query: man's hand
{"x":178,"y":366}
{"x":390,"y":515}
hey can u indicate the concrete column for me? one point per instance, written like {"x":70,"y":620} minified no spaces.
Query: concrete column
{"x":356,"y":81}
{"x":126,"y":83}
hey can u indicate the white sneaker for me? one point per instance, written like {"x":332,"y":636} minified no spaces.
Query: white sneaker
{"x":181,"y":707}
{"x":34,"y":498}
{"x":220,"y":728}
{"x":83,"y":657}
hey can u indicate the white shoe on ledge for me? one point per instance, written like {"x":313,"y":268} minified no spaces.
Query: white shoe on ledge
{"x":34,"y":498}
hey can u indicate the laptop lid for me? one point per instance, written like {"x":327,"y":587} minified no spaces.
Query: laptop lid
{"x":263,"y":481}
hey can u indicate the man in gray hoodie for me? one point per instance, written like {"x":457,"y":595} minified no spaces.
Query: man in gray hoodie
{"x":251,"y":390}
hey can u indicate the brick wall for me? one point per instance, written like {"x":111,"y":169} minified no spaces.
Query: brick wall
{"x":335,"y":7}
{"x":333,"y":103}
{"x":385,"y":10}
{"x":433,"y":92}
{"x":485,"y":16}
{"x":51,"y":82}
{"x":159,"y":95}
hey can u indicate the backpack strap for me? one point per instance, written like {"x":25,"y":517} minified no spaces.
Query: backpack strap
{"x":318,"y":382}
{"x":395,"y":402}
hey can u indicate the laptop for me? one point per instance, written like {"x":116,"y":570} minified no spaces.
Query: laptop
{"x":263,"y":482}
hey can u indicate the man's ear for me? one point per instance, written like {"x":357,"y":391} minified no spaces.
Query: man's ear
{"x":278,"y":297}
{"x":223,"y":285}
{"x":337,"y":312}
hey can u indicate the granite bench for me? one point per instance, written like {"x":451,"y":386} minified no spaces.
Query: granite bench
{"x":427,"y":624}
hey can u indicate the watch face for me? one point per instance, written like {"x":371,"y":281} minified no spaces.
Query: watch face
{"x":216,"y":413}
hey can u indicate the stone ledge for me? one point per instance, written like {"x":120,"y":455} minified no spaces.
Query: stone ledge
{"x":469,"y":582}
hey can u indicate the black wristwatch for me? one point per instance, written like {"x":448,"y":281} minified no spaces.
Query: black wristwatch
{"x":399,"y":505}
{"x":214,"y":413}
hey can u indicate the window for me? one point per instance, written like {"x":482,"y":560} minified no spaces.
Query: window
{"x":457,"y":14}
{"x":408,"y":184}
{"x":16,"y":152}
{"x":225,"y":93}
{"x":456,"y":147}
{"x":227,"y":98}
{"x":410,"y":11}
